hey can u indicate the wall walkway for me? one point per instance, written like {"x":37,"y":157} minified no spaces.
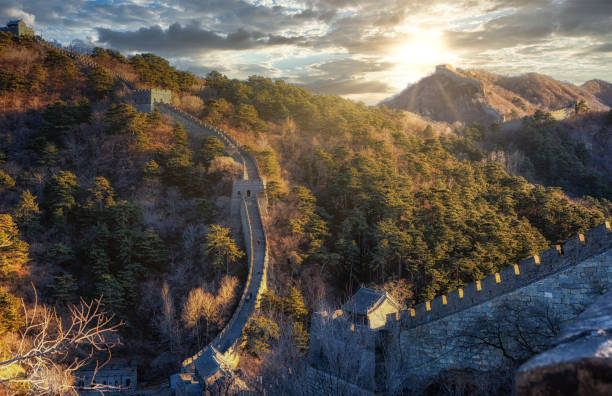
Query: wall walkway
{"x":221,"y":353}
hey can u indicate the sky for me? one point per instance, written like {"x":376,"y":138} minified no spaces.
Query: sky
{"x":365,"y":50}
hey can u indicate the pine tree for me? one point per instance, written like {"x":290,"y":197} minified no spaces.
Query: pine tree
{"x":27,"y":213}
{"x":300,"y":337}
{"x":150,"y":250}
{"x":98,"y":259}
{"x":13,"y":251}
{"x":179,"y":137}
{"x":178,"y":164}
{"x":154,"y":118}
{"x":10,"y":312}
{"x":6,"y":181}
{"x":151,"y":170}
{"x":64,"y":288}
{"x":210,"y":149}
{"x":101,"y":195}
{"x":222,"y":247}
{"x":60,"y":194}
{"x":112,"y":291}
{"x":294,"y":305}
{"x":259,"y":334}
{"x":100,"y":83}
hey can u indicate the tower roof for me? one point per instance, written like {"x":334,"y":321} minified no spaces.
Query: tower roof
{"x":365,"y":300}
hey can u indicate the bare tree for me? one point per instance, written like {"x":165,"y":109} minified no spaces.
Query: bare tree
{"x":46,"y":356}
{"x":227,"y":293}
{"x":167,"y":322}
{"x":200,"y":304}
{"x":209,"y":311}
{"x":283,"y":369}
{"x":192,"y":311}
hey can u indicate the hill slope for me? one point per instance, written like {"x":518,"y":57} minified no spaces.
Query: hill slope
{"x":601,"y":89}
{"x":474,"y":95}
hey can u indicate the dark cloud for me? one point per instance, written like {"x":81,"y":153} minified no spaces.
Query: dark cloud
{"x":186,"y":40}
{"x":537,"y":22}
{"x":602,"y":48}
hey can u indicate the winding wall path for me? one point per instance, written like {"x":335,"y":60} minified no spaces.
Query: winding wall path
{"x":221,"y":352}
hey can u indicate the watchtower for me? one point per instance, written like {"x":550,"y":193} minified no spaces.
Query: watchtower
{"x":18,"y":28}
{"x":145,"y":99}
{"x":246,"y":189}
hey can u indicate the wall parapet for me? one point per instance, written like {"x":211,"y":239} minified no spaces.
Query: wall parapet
{"x":85,"y":60}
{"x":573,"y":251}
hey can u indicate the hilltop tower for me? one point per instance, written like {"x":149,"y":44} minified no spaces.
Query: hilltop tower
{"x":18,"y":28}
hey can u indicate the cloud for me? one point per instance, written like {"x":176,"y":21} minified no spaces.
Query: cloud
{"x":602,"y":48}
{"x":347,"y":47}
{"x":17,"y":13}
{"x":191,"y":39}
{"x":537,"y":22}
{"x":348,"y":86}
{"x":351,"y":66}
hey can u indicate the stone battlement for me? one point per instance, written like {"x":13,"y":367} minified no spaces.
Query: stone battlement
{"x":460,"y":330}
{"x":577,"y":248}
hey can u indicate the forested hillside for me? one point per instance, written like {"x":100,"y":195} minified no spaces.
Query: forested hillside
{"x":359,"y":197}
{"x":99,"y":199}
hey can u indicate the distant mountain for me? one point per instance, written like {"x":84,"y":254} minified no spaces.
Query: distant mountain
{"x":452,"y":95}
{"x":601,"y":89}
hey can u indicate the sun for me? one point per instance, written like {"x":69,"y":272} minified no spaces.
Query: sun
{"x":416,"y":56}
{"x":423,"y":48}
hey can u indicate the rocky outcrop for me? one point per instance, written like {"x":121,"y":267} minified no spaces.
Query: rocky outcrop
{"x":580,"y":361}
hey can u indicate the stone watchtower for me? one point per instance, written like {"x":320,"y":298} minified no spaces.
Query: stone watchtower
{"x":246,"y":189}
{"x":145,"y":99}
{"x":370,"y":307}
{"x":18,"y":28}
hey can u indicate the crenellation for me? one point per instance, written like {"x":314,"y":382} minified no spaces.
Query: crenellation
{"x":511,"y":278}
{"x":428,"y":342}
{"x":572,"y":248}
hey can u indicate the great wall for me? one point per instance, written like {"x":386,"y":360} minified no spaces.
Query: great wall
{"x":450,"y":332}
{"x":248,"y":202}
{"x":474,"y":328}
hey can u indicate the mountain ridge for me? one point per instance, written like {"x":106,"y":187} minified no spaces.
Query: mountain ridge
{"x":473,"y":95}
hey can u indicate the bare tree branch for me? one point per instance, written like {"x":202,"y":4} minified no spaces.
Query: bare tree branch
{"x":49,"y":352}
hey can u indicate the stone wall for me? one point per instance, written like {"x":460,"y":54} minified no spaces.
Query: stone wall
{"x":320,"y":383}
{"x":244,"y":189}
{"x":220,"y":354}
{"x":342,"y":349}
{"x":577,"y":248}
{"x":502,"y":319}
{"x":119,"y":379}
{"x":488,"y":326}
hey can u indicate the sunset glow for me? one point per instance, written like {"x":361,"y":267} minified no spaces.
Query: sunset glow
{"x":365,"y":50}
